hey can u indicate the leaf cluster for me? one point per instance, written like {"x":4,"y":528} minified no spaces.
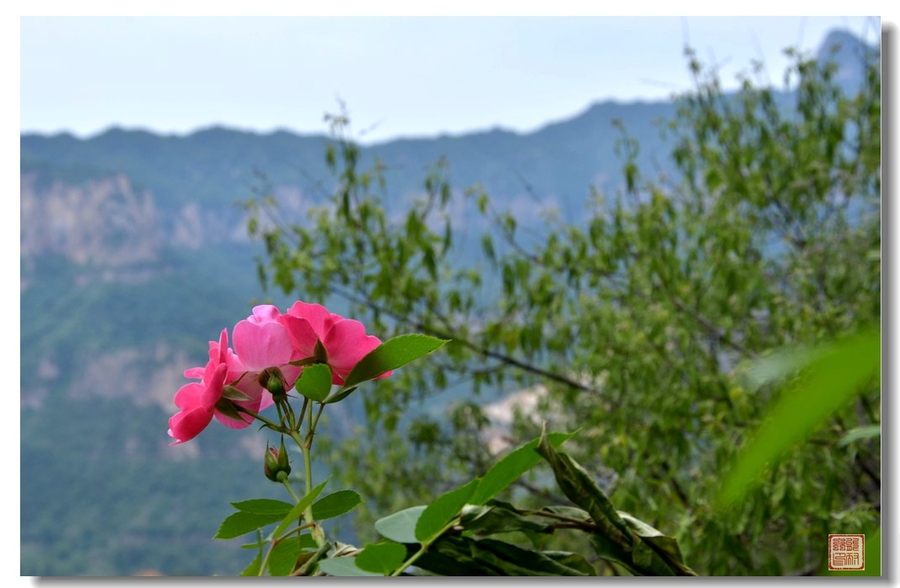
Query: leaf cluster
{"x":637,"y":321}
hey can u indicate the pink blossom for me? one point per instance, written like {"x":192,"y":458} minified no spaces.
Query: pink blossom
{"x":345,"y":340}
{"x":197,"y":400}
{"x":262,"y":341}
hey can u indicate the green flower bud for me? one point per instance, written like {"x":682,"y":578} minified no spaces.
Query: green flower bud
{"x":273,"y":380}
{"x":319,"y":352}
{"x":276,"y":465}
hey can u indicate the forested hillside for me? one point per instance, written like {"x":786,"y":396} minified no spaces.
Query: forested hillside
{"x":135,"y":252}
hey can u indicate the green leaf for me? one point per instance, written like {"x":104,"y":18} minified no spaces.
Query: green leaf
{"x":297,"y":511}
{"x":339,"y":395}
{"x":232,"y":393}
{"x":463,"y":555}
{"x":510,"y":468}
{"x":443,"y":510}
{"x":777,"y":366}
{"x":225,"y":407}
{"x":617,"y":539}
{"x":516,"y":561}
{"x":572,"y":561}
{"x":335,"y":504}
{"x":452,"y":556}
{"x":254,"y":567}
{"x":343,"y":566}
{"x":242,"y":522}
{"x":501,"y":518}
{"x":571,"y":512}
{"x":315,"y":382}
{"x":836,"y":373}
{"x":284,"y":556}
{"x":381,"y":558}
{"x":578,"y":487}
{"x":264,"y":506}
{"x":665,"y":547}
{"x":860,"y":433}
{"x":611,"y":551}
{"x":400,"y":526}
{"x":392,"y":354}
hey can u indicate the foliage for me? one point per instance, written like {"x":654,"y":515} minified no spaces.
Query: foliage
{"x":636,"y":319}
{"x":454,"y":534}
{"x":833,"y":373}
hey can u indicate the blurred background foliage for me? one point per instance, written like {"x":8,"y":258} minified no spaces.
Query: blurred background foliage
{"x":634,"y":324}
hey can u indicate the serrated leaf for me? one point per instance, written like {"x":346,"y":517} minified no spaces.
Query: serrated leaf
{"x":263,"y":506}
{"x":315,"y":382}
{"x":297,"y":511}
{"x":343,"y":566}
{"x":335,"y":504}
{"x":241,"y":522}
{"x":381,"y":558}
{"x":392,"y":354}
{"x":284,"y":556}
{"x":400,"y":526}
{"x":443,"y":510}
{"x":510,"y":468}
{"x":253,"y":568}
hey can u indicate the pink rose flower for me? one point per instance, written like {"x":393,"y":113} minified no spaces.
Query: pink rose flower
{"x":262,"y":341}
{"x":197,"y":400}
{"x":345,"y":340}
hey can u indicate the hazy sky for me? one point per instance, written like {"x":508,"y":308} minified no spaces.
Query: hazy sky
{"x":398,"y":76}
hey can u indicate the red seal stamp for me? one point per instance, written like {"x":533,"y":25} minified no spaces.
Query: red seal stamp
{"x":846,"y":552}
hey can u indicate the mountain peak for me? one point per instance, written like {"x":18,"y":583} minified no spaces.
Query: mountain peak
{"x":851,"y":56}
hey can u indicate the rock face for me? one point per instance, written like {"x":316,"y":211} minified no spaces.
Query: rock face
{"x":103,"y":222}
{"x":106,"y":222}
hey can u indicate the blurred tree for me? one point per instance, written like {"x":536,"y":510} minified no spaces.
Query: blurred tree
{"x":634,"y":324}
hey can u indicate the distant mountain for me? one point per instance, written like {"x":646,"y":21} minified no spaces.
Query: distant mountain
{"x":851,"y":57}
{"x":134,"y":255}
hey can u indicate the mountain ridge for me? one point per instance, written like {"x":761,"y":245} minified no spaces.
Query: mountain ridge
{"x":134,"y":255}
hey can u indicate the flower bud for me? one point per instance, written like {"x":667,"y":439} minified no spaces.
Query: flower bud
{"x":276,"y":465}
{"x":320,"y":353}
{"x":273,"y":380}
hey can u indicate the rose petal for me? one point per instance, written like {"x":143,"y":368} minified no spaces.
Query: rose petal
{"x":316,"y":315}
{"x":187,"y":424}
{"x":346,"y":344}
{"x":262,"y":345}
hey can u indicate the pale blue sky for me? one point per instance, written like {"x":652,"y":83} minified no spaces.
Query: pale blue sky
{"x":404,"y":76}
